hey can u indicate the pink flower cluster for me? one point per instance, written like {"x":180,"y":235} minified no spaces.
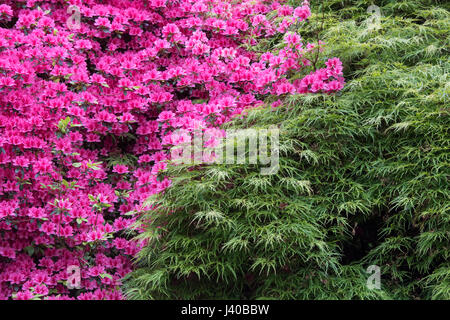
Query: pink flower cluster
{"x":87,"y":116}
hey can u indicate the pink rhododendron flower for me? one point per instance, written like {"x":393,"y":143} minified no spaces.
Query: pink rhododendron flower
{"x":302,"y":13}
{"x":120,"y":169}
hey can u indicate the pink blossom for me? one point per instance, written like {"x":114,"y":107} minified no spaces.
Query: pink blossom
{"x":166,"y":115}
{"x":302,"y":13}
{"x":24,"y":295}
{"x":120,"y":169}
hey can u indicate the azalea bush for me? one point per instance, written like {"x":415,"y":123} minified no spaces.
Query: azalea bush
{"x":90,"y":95}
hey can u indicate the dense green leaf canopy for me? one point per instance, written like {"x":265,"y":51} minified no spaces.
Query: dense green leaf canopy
{"x":363,"y":180}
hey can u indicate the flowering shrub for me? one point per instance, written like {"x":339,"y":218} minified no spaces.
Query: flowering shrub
{"x":87,"y":115}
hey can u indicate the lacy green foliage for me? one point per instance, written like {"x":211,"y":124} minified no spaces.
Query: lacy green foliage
{"x":363,"y":180}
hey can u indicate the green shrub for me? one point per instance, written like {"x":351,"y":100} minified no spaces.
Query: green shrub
{"x":363,"y":180}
